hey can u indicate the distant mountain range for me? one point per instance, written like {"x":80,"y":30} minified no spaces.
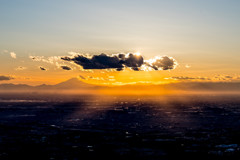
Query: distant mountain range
{"x":71,"y":84}
{"x":76,"y":84}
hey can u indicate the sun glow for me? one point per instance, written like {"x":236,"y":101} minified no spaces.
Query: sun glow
{"x":137,"y":53}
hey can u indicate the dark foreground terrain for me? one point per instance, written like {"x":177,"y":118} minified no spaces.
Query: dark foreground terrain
{"x":60,"y":127}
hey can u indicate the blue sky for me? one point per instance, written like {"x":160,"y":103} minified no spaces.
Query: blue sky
{"x":205,"y":33}
{"x":58,"y":26}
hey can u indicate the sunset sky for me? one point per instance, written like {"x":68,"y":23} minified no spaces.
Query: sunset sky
{"x":203,"y":37}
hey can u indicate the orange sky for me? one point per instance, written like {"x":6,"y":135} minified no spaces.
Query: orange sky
{"x":30,"y":73}
{"x":202,"y":36}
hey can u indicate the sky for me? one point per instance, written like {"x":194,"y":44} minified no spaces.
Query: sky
{"x":202,"y":36}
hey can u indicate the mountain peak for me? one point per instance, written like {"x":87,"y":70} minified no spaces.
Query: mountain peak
{"x":73,"y":83}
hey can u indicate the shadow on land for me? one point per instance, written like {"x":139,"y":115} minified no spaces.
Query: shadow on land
{"x":117,"y":127}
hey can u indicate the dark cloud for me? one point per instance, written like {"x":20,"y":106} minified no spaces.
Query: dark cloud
{"x":132,"y":60}
{"x":120,"y":61}
{"x":101,"y":61}
{"x":5,"y":78}
{"x":66,"y":68}
{"x":162,"y":63}
{"x":42,"y":68}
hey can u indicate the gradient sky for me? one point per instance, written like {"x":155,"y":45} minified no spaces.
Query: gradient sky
{"x":202,"y":34}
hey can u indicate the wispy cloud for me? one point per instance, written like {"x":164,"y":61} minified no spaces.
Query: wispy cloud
{"x":188,"y":78}
{"x":217,"y":78}
{"x":187,"y":66}
{"x":226,"y":78}
{"x":20,"y":68}
{"x":50,"y":60}
{"x":5,"y":78}
{"x":53,"y":60}
{"x":5,"y":51}
{"x":81,"y":77}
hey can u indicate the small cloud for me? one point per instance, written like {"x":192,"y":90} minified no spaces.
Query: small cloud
{"x":20,"y":68}
{"x":73,"y":53}
{"x":42,"y":68}
{"x":80,"y":76}
{"x":111,"y":77}
{"x":66,"y":68}
{"x":6,"y":78}
{"x":162,"y":63}
{"x":36,"y":58}
{"x":13,"y":55}
{"x":187,"y":66}
{"x":5,"y":51}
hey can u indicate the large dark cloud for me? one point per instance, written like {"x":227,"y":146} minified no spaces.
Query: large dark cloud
{"x":101,"y":61}
{"x":120,"y":61}
{"x":5,"y":78}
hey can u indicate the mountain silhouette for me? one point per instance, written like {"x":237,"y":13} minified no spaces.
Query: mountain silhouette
{"x":71,"y":84}
{"x":76,"y":84}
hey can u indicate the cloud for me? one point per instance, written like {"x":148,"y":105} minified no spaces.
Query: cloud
{"x":5,"y":78}
{"x":53,"y":60}
{"x":189,"y":78}
{"x":229,"y":77}
{"x":20,"y":68}
{"x":82,"y":77}
{"x":162,"y":63}
{"x":5,"y":51}
{"x":13,"y":55}
{"x":50,"y":60}
{"x":225,"y":78}
{"x":187,"y":66}
{"x":97,"y":78}
{"x":36,"y":58}
{"x":66,"y":68}
{"x":42,"y":68}
{"x":101,"y":61}
{"x":120,"y":61}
